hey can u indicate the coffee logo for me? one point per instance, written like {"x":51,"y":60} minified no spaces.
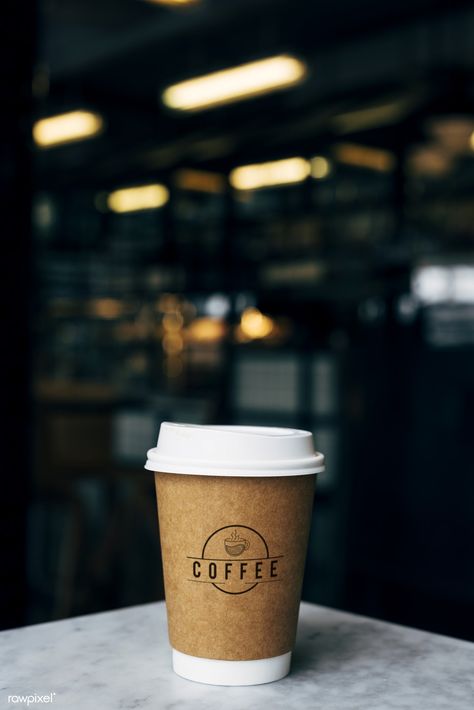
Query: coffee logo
{"x":235,"y":545}
{"x":218,"y":564}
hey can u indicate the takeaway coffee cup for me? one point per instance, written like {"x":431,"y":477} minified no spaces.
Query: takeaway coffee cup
{"x":234,"y":507}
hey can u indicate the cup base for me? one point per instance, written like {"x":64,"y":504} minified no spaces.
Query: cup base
{"x":214,"y":672}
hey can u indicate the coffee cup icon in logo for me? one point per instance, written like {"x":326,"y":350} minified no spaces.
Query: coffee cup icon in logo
{"x":235,"y":545}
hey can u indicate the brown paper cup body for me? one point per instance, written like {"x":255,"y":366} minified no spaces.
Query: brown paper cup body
{"x":233,"y":553}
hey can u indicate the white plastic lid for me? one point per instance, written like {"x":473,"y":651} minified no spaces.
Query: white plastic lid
{"x":234,"y":451}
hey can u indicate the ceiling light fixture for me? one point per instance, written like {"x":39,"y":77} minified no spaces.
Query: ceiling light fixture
{"x":277,"y":172}
{"x":200,"y":181}
{"x":429,"y":160}
{"x":143,"y":197}
{"x":454,"y":133}
{"x":241,"y":82}
{"x":67,"y":128}
{"x":172,"y":2}
{"x":320,"y":167}
{"x":363,"y":119}
{"x":364,"y":156}
{"x":254,"y":324}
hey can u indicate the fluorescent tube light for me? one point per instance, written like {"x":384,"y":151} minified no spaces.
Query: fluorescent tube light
{"x":143,"y":197}
{"x":278,"y":172}
{"x":172,"y":2}
{"x":364,"y":156}
{"x":363,"y":119}
{"x":67,"y":128}
{"x":200,"y":181}
{"x":241,"y":82}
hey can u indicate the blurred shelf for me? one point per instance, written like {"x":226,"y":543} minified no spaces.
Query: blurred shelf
{"x":74,"y":391}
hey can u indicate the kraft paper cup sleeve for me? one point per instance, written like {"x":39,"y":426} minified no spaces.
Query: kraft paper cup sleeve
{"x":233,"y":553}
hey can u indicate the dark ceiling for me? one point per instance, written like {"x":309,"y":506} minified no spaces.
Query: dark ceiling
{"x":117,"y":55}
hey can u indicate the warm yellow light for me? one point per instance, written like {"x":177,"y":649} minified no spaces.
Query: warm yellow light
{"x":363,"y":156}
{"x":471,"y":141}
{"x":172,"y":321}
{"x":107,"y":308}
{"x":172,"y":2}
{"x":168,"y":303}
{"x":244,"y":81}
{"x":278,"y":172}
{"x":172,"y":343}
{"x":371,"y":116}
{"x":452,"y":132}
{"x":320,"y":167}
{"x":255,"y":324}
{"x":206,"y":330}
{"x":200,"y":181}
{"x":429,"y":160}
{"x":67,"y":128}
{"x":132,"y":199}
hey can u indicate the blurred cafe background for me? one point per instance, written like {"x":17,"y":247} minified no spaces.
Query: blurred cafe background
{"x":238,"y":212}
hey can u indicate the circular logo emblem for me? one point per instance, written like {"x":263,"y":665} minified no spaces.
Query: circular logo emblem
{"x":235,"y":559}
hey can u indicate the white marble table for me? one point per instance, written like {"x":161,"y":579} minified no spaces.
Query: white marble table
{"x":121,"y":660}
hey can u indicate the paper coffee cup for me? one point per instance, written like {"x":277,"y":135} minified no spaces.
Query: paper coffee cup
{"x":234,"y":506}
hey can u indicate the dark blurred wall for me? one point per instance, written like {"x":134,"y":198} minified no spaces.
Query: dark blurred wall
{"x":17,"y":42}
{"x":358,"y":275}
